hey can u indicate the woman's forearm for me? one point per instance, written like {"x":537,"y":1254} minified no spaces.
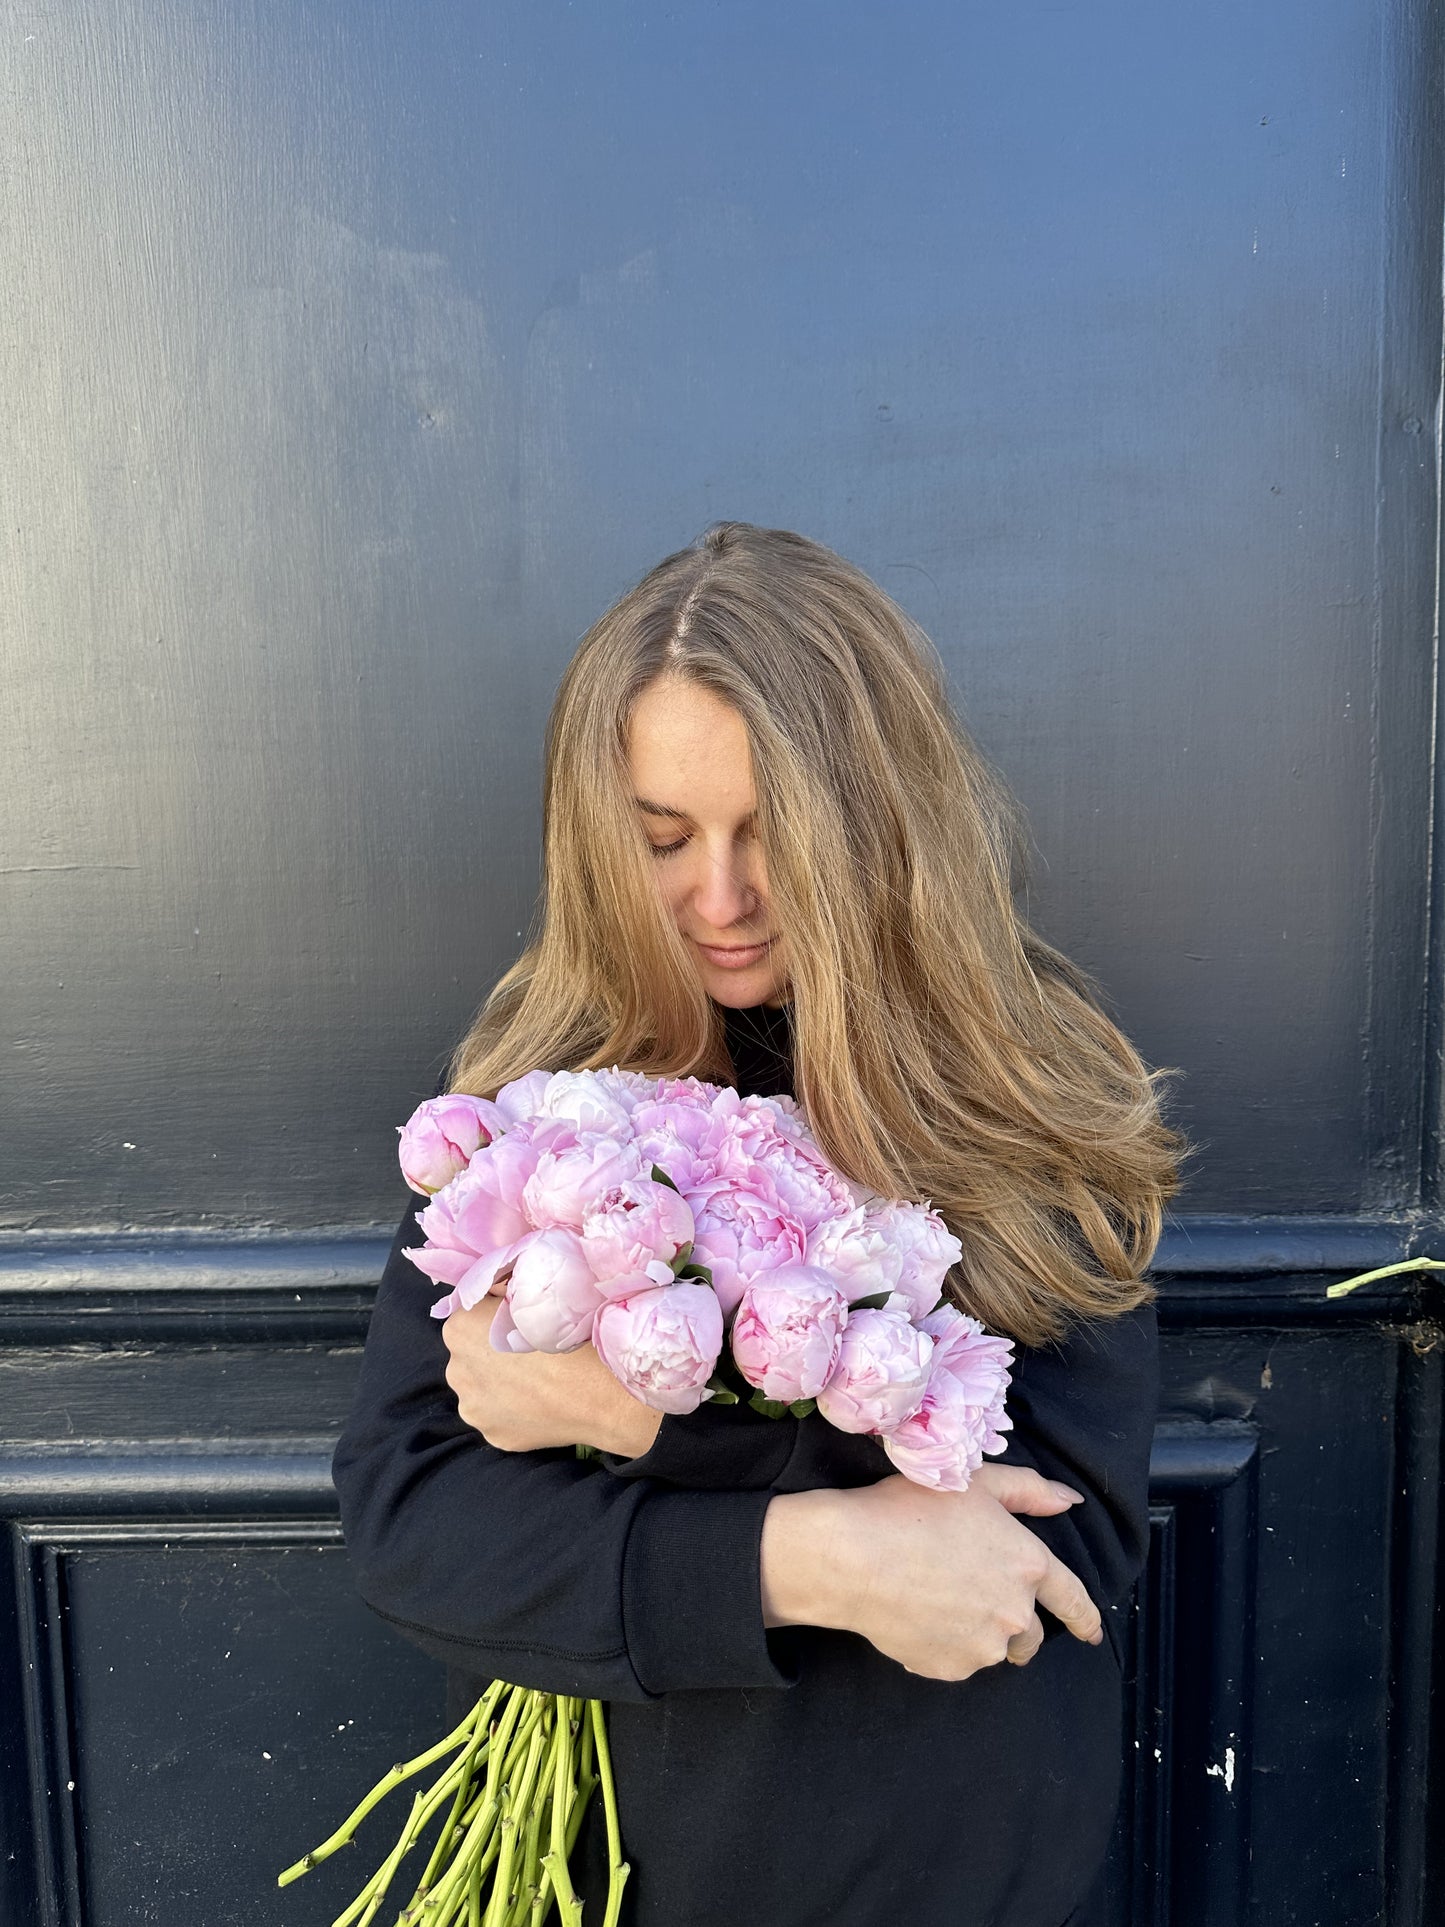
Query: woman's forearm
{"x":939,"y":1581}
{"x":805,"y":1569}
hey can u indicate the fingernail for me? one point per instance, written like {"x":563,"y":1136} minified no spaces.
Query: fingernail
{"x":1067,"y":1492}
{"x":1097,"y":1638}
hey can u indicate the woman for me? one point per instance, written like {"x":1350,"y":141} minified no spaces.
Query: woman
{"x":772,"y":858}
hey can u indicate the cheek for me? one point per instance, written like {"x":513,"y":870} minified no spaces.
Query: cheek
{"x":671,"y":884}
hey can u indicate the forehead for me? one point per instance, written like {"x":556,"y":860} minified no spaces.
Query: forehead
{"x":688,"y":750}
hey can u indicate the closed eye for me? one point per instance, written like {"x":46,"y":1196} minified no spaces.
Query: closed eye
{"x":666,"y":849}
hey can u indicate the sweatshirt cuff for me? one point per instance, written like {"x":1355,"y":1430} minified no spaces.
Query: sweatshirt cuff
{"x":692,"y":1604}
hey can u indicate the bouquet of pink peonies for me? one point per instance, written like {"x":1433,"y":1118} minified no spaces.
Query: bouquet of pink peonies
{"x":702,"y":1243}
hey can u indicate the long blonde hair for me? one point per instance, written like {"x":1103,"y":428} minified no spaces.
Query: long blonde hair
{"x":942,"y":1049}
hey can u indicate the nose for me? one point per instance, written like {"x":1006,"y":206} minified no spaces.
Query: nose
{"x":726,"y":893}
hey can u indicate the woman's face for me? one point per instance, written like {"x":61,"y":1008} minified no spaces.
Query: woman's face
{"x":692,"y":787}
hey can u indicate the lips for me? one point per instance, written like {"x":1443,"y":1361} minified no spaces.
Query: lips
{"x":733,"y":956}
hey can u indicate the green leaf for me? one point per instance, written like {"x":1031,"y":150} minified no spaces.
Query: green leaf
{"x":679,"y":1263}
{"x":702,"y":1273}
{"x":722,"y":1394}
{"x":875,"y":1301}
{"x":769,"y":1407}
{"x":801,"y":1407}
{"x":659,"y":1176}
{"x":588,"y":1452}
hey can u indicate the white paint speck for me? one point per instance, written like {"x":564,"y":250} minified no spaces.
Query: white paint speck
{"x":266,"y":1756}
{"x":1225,"y":1772}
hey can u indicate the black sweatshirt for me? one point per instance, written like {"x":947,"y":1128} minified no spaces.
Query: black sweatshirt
{"x":793,"y":1777}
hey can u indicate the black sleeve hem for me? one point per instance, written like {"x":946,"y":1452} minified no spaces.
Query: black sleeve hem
{"x":692,"y":1593}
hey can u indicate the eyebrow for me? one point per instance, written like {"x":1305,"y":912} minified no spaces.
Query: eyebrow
{"x":659,"y":810}
{"x":663,"y":809}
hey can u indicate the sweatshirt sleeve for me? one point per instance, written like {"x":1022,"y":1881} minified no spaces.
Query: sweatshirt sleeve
{"x":537,"y":1566}
{"x":1083,"y":1411}
{"x":733,"y":1447}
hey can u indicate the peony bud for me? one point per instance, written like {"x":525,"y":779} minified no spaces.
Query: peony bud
{"x":881,"y":1372}
{"x":858,"y":1252}
{"x":442,"y":1134}
{"x":662,"y":1343}
{"x":926,"y":1249}
{"x":551,"y":1299}
{"x":787,"y":1331}
{"x":635,"y":1224}
{"x":474,"y":1216}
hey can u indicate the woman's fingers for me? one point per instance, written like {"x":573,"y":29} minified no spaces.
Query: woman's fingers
{"x":1067,"y":1598}
{"x":1023,"y":1646}
{"x":1020,"y":1489}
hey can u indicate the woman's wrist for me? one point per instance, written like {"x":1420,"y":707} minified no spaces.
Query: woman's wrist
{"x":625,"y":1427}
{"x":807,"y":1576}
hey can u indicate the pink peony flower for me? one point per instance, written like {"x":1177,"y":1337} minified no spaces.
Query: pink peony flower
{"x":881,"y":1373}
{"x":635,"y":1224}
{"x":926,"y":1248}
{"x":590,"y":1101}
{"x":441,"y":1135}
{"x":567,"y":1184}
{"x":787,"y":1331}
{"x":552,"y":1297}
{"x":753,"y":1133}
{"x":941,"y":1444}
{"x":858,"y":1252}
{"x":523,"y":1096}
{"x":662,"y":1343}
{"x":742,"y":1231}
{"x":675,"y":1133}
{"x":980,"y":1363}
{"x":477,"y":1213}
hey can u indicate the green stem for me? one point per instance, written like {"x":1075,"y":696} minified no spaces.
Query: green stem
{"x":617,"y":1867}
{"x":449,"y":1902}
{"x":425,"y":1805}
{"x":530,"y":1874}
{"x":514,"y":1808}
{"x":370,"y":1898}
{"x":479,"y":1818}
{"x":1385,"y":1271}
{"x":451,"y":1832}
{"x":388,"y":1781}
{"x":564,"y":1783}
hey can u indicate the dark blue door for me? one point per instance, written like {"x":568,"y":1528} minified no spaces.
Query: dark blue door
{"x":355,"y":357}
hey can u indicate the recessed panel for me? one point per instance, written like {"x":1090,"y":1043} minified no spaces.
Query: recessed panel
{"x":229,"y":1703}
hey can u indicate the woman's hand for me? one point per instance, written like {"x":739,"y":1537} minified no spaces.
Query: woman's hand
{"x":943,"y":1582}
{"x":527,"y":1401}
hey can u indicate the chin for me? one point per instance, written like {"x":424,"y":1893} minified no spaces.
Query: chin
{"x":742,"y":989}
{"x":733,"y":996}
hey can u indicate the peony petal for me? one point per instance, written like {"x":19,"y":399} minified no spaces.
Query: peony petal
{"x":504,"y":1335}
